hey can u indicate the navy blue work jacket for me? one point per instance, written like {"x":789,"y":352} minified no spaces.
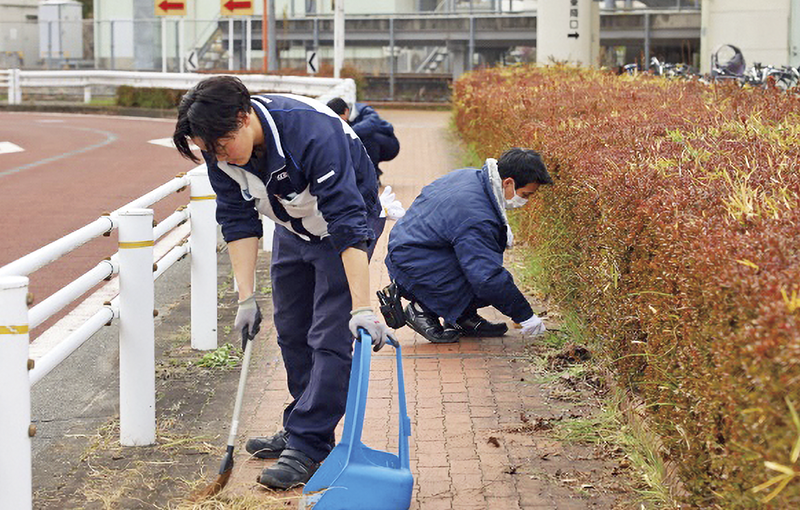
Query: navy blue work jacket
{"x":367,"y":122}
{"x":448,"y":248}
{"x":312,"y":176}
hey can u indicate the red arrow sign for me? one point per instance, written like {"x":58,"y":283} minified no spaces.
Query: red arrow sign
{"x":231,"y":5}
{"x":171,"y":6}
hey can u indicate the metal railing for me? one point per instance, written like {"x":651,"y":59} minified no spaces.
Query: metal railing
{"x":9,"y":79}
{"x":323,"y":89}
{"x":137,"y":269}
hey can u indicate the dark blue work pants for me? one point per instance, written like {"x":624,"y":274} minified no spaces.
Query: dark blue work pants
{"x":312,"y":304}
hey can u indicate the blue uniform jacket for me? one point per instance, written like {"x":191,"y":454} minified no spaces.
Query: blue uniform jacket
{"x":448,"y":248}
{"x":314,"y":177}
{"x":367,"y":122}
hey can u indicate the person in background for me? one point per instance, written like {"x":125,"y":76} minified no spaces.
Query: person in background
{"x":446,"y":254}
{"x":376,"y":134}
{"x":293,"y":160}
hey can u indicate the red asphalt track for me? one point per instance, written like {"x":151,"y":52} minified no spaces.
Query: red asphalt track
{"x":74,"y":168}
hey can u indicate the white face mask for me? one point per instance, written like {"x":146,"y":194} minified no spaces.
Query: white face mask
{"x":516,"y":202}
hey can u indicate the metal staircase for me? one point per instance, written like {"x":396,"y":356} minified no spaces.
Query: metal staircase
{"x":431,"y":63}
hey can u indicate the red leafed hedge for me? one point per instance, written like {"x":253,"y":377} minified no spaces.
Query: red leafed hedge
{"x":674,"y":230}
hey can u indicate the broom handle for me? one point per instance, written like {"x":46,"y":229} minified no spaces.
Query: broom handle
{"x":248,"y":350}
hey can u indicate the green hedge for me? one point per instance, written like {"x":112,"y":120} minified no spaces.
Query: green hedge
{"x":674,"y":231}
{"x":148,"y":97}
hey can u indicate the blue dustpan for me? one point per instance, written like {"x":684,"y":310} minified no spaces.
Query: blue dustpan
{"x":355,"y":477}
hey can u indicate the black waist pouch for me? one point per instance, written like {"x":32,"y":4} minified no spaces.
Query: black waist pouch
{"x":391,"y":307}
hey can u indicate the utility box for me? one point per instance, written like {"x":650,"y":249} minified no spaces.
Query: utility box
{"x":60,"y":30}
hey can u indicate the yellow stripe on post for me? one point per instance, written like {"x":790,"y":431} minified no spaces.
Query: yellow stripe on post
{"x":135,"y":244}
{"x":204,"y":197}
{"x":14,"y":330}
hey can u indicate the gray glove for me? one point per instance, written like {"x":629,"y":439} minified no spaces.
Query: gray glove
{"x":248,"y":319}
{"x":366,"y":319}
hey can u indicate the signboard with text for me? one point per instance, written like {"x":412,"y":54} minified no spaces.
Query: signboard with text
{"x":170,"y":7}
{"x":236,"y":7}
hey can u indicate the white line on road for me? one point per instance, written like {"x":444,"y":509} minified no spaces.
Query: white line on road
{"x":167,"y":142}
{"x":110,"y":137}
{"x":8,"y":148}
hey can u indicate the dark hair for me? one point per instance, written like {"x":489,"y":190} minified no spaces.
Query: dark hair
{"x":211,"y":112}
{"x":338,"y":105}
{"x":524,"y":166}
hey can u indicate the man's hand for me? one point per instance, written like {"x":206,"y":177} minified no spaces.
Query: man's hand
{"x":365,"y":318}
{"x":248,"y":319}
{"x":533,"y":326}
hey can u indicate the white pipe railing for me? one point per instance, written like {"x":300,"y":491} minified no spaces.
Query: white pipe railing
{"x":69,"y":293}
{"x":58,"y":248}
{"x":178,"y":183}
{"x":134,"y":307}
{"x":70,"y":343}
{"x":172,"y":256}
{"x":9,"y":78}
{"x":173,"y":220}
{"x":323,"y":89}
{"x":101,"y":226}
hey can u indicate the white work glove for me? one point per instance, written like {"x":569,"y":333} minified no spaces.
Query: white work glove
{"x":392,"y":208}
{"x":365,"y":318}
{"x":533,"y":326}
{"x":248,"y":319}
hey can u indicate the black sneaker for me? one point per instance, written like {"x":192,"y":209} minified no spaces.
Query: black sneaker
{"x":267,"y":447}
{"x":292,"y":469}
{"x":427,"y":325}
{"x":476,"y":326}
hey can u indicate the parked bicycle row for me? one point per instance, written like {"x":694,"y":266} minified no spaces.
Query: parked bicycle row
{"x":727,"y":64}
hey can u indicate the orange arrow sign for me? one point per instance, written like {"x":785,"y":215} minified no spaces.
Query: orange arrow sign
{"x":170,"y":7}
{"x":236,"y":7}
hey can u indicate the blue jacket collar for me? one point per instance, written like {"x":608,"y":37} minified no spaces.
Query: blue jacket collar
{"x":274,"y":157}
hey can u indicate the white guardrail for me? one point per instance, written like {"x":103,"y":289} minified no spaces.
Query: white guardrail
{"x":146,"y":251}
{"x":9,"y":80}
{"x":323,"y":89}
{"x":137,"y":267}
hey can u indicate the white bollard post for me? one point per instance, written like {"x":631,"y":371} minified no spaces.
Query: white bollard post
{"x":15,"y":395}
{"x":87,"y":94}
{"x":163,"y":44}
{"x":14,"y":87}
{"x":18,"y":86}
{"x":230,"y":44}
{"x":181,"y":50}
{"x":137,"y":380}
{"x":202,"y":217}
{"x":11,"y":88}
{"x":249,"y":43}
{"x":338,"y":38}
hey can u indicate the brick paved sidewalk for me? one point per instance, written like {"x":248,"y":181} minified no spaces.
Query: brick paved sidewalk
{"x":465,"y":400}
